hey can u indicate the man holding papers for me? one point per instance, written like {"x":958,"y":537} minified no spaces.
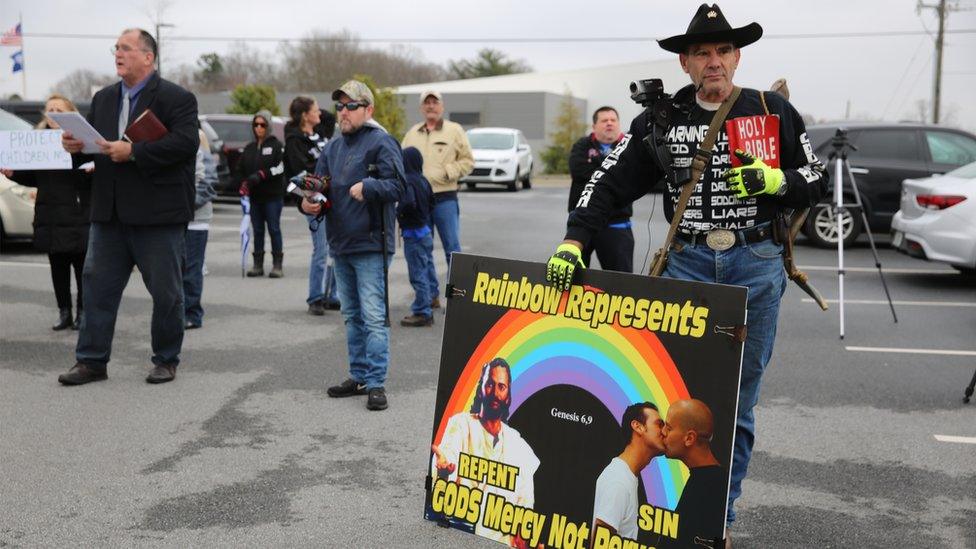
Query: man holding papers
{"x":142,"y":199}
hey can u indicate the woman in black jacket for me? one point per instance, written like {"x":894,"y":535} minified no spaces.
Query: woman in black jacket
{"x":303,"y":145}
{"x":261,"y":172}
{"x":61,"y":219}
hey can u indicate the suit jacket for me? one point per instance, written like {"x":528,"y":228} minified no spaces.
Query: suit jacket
{"x":157,"y":188}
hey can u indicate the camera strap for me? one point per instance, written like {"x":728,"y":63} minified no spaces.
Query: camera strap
{"x":703,"y":157}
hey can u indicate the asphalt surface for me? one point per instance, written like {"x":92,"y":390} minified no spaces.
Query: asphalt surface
{"x":246,"y":449}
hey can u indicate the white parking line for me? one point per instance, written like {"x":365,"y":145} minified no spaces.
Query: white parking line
{"x":22,"y":264}
{"x":833,"y":268}
{"x":905,"y":303}
{"x":960,"y":440}
{"x":911,"y":351}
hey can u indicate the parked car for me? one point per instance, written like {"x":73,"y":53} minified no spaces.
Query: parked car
{"x":234,"y":130}
{"x":937,"y":219}
{"x":502,"y":156}
{"x":217,"y":150}
{"x":16,"y":201}
{"x":33,"y":111}
{"x":887,"y":155}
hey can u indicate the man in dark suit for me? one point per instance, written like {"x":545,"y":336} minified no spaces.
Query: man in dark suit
{"x":142,"y":199}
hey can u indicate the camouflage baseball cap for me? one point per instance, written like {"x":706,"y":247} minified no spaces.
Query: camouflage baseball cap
{"x":356,"y":90}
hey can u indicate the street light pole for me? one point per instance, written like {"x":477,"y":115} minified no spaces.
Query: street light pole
{"x":159,"y":47}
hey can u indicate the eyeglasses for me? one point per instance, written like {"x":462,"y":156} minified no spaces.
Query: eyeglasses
{"x":352,"y":105}
{"x":260,"y":125}
{"x":126,"y":49}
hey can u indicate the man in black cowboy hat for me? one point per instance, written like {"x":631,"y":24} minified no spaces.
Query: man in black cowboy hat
{"x":725,"y":233}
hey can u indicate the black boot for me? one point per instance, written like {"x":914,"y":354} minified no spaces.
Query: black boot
{"x":276,"y":259}
{"x":77,"y":323}
{"x":64,"y":319}
{"x":258,"y":269}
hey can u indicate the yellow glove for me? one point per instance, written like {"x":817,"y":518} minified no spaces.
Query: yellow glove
{"x":562,"y":265}
{"x":754,"y":177}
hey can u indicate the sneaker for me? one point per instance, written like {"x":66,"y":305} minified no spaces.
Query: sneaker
{"x":376,"y":399}
{"x":435,"y":303}
{"x":347,"y":388}
{"x":316,"y":308}
{"x":417,"y":321}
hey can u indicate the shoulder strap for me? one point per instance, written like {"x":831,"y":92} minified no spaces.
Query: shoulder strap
{"x":762,"y":97}
{"x":702,"y":157}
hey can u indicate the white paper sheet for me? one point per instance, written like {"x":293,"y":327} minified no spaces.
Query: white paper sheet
{"x":80,"y":129}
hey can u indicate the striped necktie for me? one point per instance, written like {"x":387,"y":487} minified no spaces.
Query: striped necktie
{"x":124,"y":115}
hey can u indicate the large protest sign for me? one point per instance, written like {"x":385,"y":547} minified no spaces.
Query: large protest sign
{"x":33,"y":150}
{"x":532,"y":390}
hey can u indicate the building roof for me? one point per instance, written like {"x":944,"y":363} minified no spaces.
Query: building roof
{"x":606,"y":85}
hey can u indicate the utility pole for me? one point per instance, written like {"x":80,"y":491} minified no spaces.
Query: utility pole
{"x":159,"y":47}
{"x":942,"y":11}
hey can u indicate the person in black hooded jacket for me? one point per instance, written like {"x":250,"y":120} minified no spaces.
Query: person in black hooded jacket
{"x":62,"y":212}
{"x":303,"y":145}
{"x":413,"y":214}
{"x":261,"y":172}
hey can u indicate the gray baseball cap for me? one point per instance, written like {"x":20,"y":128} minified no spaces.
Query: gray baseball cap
{"x":356,"y":90}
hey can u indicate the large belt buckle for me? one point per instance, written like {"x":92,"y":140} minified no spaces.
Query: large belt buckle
{"x":720,"y":239}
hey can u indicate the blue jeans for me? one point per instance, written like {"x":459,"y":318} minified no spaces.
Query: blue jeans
{"x":758,"y":266}
{"x":196,"y":248}
{"x":321,"y":278}
{"x":267,"y":213}
{"x":360,"y":282}
{"x":113,"y":249}
{"x":420,"y":266}
{"x":446,"y":218}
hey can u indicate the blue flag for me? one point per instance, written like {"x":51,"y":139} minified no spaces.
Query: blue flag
{"x":18,"y":58}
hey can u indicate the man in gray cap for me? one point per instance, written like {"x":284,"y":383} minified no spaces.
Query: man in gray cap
{"x":726,"y":233}
{"x":447,"y":158}
{"x":364,"y":166}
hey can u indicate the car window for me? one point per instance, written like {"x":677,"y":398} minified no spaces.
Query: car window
{"x":491,"y":141}
{"x":951,"y":148}
{"x":820,"y":136}
{"x":891,"y":144}
{"x":233,"y":130}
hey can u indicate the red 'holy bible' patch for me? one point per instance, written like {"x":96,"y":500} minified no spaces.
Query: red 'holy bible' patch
{"x":757,"y":135}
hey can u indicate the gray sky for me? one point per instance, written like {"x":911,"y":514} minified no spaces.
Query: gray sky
{"x":881,"y":77}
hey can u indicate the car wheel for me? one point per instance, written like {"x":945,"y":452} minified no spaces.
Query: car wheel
{"x":513,"y":184}
{"x":821,"y":226}
{"x":527,"y":181}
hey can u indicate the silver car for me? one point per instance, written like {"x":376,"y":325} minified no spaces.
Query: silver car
{"x":16,"y":201}
{"x":502,"y":156}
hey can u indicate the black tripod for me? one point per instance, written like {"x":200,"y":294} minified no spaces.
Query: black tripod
{"x":969,"y":389}
{"x":839,"y":156}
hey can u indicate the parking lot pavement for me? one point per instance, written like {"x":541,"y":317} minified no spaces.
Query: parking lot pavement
{"x":861,"y":443}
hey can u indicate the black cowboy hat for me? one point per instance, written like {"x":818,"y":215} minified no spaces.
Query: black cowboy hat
{"x":708,"y":26}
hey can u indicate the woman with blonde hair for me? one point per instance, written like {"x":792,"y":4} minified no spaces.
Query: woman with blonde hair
{"x":61,"y":220}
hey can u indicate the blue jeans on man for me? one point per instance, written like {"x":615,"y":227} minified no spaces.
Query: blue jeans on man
{"x":321,"y":278}
{"x":419,"y":252}
{"x":758,"y":266}
{"x":113,"y":249}
{"x":446,"y":218}
{"x":196,"y":246}
{"x":360,"y":282}
{"x":267,"y":213}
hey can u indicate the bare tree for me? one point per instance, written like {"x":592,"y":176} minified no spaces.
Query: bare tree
{"x":324,"y":61}
{"x":79,"y":85}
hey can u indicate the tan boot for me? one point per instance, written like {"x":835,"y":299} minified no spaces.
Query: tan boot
{"x":258,"y":269}
{"x":276,"y":259}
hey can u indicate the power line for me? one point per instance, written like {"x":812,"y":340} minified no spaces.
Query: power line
{"x":418,"y":40}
